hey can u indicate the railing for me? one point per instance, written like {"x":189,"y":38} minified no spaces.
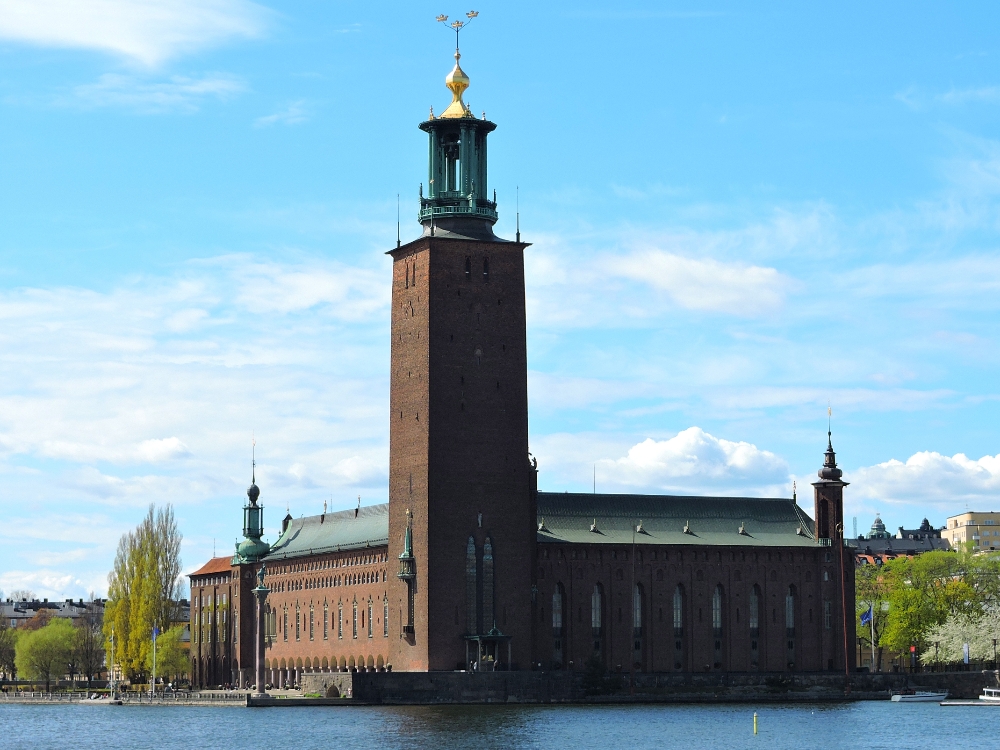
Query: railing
{"x":436,"y":211}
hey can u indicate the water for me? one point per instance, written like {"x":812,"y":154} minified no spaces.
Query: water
{"x":869,"y":725}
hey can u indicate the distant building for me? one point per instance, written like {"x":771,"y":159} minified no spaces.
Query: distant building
{"x":981,"y":529}
{"x":16,"y":613}
{"x":879,"y":545}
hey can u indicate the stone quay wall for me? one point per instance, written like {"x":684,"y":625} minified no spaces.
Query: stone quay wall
{"x":421,"y":688}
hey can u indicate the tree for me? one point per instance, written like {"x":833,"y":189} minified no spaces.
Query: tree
{"x":44,"y":654}
{"x":23,"y":595}
{"x":945,"y":642}
{"x":171,"y":656}
{"x":143,"y":588}
{"x":40,"y":620}
{"x":89,"y":644}
{"x":872,"y":589}
{"x":8,"y":641}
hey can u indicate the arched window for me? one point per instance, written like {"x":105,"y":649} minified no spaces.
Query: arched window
{"x":486,"y":269}
{"x":298,"y":623}
{"x":557,"y":610}
{"x":754,"y":613}
{"x":596,"y":605}
{"x":340,"y":619}
{"x":790,"y":625}
{"x":369,"y":617}
{"x":312,"y":618}
{"x":489,"y":620}
{"x":637,"y":610}
{"x":717,"y":611}
{"x":355,"y":619}
{"x":326,"y":621}
{"x":678,"y":611}
{"x":385,"y":616}
{"x":471,"y":619}
{"x":468,"y":267}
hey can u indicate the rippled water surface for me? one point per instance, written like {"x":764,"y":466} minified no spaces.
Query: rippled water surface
{"x":869,"y":725}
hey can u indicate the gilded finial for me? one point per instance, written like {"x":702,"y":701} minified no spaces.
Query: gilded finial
{"x":457,"y":81}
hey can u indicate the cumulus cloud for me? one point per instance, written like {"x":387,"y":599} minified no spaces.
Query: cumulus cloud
{"x":947,"y":483}
{"x":177,"y":94}
{"x":695,"y":461}
{"x":148,"y":32}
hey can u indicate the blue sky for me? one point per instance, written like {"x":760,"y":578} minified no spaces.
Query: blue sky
{"x":739,"y":215}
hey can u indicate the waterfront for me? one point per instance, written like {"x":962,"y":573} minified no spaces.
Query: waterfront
{"x":831,"y":726}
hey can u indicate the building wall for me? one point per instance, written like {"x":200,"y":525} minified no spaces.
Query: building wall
{"x":214,"y":653}
{"x":459,"y":436}
{"x":981,"y":529}
{"x":658,"y":571}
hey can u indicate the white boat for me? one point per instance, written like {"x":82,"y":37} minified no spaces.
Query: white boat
{"x":919,"y":696}
{"x":990,"y":694}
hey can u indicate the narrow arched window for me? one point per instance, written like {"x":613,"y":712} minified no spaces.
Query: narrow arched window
{"x":637,"y":610}
{"x":486,"y":269}
{"x":385,"y":617}
{"x":369,"y":618}
{"x":678,"y":611}
{"x":557,"y":610}
{"x":355,"y":621}
{"x":468,"y":267}
{"x":471,"y":618}
{"x":790,"y":612}
{"x":489,"y":619}
{"x":754,"y":613}
{"x":717,"y":611}
{"x":596,"y":605}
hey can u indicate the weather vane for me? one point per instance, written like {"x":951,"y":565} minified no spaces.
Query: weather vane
{"x":458,"y":25}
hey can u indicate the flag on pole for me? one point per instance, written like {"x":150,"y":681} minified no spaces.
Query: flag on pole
{"x":156,"y":632}
{"x":866,"y":616}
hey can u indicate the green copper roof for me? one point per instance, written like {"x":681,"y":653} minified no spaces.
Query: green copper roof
{"x":333,"y":531}
{"x":768,"y":522}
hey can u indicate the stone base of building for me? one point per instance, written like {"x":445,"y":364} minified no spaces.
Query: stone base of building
{"x":421,"y":688}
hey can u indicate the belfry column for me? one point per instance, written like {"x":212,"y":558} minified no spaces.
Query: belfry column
{"x":260,"y":594}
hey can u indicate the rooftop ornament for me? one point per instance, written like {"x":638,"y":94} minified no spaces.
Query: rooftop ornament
{"x":457,"y":81}
{"x":742,"y":530}
{"x":593,"y":527}
{"x":687,"y":528}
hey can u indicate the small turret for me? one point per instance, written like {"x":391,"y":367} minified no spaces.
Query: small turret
{"x":252,"y":548}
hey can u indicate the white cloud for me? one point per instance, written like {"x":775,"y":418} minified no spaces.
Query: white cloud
{"x":979,"y":94}
{"x":178,"y":94}
{"x":695,"y":461}
{"x":946,"y":483}
{"x":146,"y":31}
{"x":704,"y":283}
{"x":294,"y":114}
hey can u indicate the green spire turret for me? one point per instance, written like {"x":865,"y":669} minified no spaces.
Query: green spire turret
{"x":252,"y":548}
{"x":457,"y":199}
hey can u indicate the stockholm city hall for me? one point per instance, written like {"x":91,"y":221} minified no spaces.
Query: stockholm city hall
{"x":468,"y":565}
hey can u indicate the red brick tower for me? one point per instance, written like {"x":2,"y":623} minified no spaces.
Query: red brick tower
{"x":829,"y":515}
{"x":458,"y":451}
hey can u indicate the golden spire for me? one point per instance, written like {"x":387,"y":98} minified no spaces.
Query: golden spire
{"x":457,"y":81}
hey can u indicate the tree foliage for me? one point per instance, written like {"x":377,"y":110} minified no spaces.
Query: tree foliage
{"x":23,"y":595}
{"x":913,"y":597}
{"x":171,"y":656}
{"x":945,"y":641}
{"x":45,"y":654}
{"x":143,"y":589}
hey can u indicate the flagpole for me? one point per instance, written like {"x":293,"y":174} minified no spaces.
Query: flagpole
{"x":872,"y":623}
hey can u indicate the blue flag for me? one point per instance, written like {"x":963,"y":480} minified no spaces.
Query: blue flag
{"x":866,"y":617}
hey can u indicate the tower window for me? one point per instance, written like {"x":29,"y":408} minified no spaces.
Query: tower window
{"x":486,"y":269}
{"x":468,"y":267}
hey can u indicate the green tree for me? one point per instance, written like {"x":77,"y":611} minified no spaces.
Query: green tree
{"x":171,"y":656}
{"x":945,"y":641}
{"x":872,"y":588}
{"x":143,"y":589}
{"x":44,"y":654}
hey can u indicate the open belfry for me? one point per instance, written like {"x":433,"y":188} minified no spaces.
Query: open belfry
{"x":468,"y":565}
